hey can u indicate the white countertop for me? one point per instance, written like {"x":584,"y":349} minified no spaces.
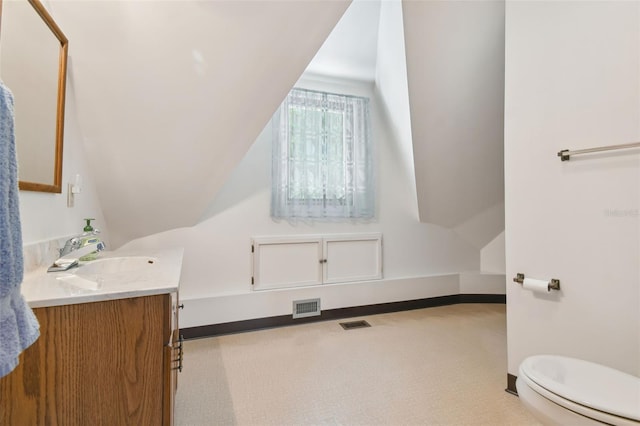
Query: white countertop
{"x":159,"y":275}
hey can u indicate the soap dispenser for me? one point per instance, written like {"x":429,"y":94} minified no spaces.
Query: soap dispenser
{"x":89,"y":237}
{"x":88,"y":227}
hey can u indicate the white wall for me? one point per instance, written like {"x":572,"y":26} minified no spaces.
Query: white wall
{"x":482,"y":283}
{"x":492,"y":256}
{"x":216,"y":273}
{"x":217,"y":260}
{"x":393,"y":88}
{"x":573,"y":81}
{"x":419,"y":259}
{"x":45,"y":216}
{"x":264,"y":304}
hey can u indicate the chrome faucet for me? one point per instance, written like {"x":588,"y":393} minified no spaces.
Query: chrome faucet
{"x":76,"y":247}
{"x":75,"y":242}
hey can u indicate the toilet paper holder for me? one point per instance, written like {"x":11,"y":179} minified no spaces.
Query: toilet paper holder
{"x":554,"y":284}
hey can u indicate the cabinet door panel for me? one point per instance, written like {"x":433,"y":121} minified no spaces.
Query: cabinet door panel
{"x":353,"y":258}
{"x":94,"y":364}
{"x":281,"y":263}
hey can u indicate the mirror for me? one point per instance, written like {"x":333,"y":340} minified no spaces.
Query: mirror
{"x":33,"y":65}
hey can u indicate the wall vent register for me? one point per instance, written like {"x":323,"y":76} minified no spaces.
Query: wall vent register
{"x":306,"y":308}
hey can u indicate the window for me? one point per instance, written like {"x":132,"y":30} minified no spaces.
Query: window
{"x":322,"y":157}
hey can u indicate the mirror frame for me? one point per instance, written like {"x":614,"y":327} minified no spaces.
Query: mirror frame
{"x":56,"y":187}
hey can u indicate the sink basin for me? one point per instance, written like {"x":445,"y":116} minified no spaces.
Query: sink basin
{"x":116,"y":265}
{"x":110,"y":271}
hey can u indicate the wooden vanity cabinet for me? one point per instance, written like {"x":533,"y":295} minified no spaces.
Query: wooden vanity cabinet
{"x":100,"y":363}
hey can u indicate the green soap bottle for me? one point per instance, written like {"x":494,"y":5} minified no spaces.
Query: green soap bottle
{"x":88,"y":240}
{"x":88,"y":227}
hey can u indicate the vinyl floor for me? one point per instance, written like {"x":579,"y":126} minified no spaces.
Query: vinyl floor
{"x":436,"y":366}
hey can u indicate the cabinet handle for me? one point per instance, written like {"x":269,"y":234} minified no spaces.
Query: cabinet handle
{"x":181,"y":306}
{"x":323,"y":260}
{"x":180,"y":354}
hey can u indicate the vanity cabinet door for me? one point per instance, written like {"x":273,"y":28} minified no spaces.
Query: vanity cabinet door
{"x":99,"y":363}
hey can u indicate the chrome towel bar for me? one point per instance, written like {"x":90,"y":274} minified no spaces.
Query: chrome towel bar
{"x":565,"y":154}
{"x":554,"y":284}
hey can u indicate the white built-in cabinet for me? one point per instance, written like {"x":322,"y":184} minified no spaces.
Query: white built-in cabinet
{"x":306,"y":260}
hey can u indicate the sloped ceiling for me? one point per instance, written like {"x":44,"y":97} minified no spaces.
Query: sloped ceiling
{"x":455,"y":73}
{"x":351,"y":50}
{"x":171,"y":94}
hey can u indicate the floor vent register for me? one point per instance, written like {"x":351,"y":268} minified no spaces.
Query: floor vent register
{"x":351,"y":325}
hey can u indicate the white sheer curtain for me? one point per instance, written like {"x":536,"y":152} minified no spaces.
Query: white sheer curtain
{"x":322,"y":157}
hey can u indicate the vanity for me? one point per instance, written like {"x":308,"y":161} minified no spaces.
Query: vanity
{"x":109,"y":351}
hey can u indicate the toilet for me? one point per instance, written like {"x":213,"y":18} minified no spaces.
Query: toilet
{"x":559,"y":390}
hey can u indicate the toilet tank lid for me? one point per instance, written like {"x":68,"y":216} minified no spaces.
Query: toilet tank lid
{"x":586,"y":383}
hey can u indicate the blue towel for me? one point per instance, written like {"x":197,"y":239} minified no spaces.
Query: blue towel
{"x":19,"y":327}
